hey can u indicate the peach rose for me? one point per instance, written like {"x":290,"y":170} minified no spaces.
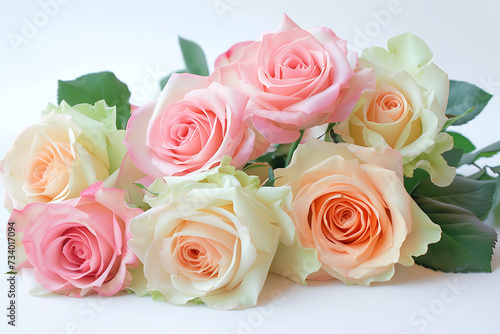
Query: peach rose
{"x":78,"y":246}
{"x":350,"y":204}
{"x":296,"y":79}
{"x":192,"y":125}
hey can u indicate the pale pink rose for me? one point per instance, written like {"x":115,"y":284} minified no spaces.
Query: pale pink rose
{"x":78,"y":246}
{"x":232,"y":54}
{"x":192,"y":125}
{"x":349,"y":203}
{"x":296,"y":79}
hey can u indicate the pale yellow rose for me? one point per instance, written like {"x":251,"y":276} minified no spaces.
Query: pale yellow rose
{"x":350,"y":204}
{"x":406,"y":112}
{"x":57,"y":158}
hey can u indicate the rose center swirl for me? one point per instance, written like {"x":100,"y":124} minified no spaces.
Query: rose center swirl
{"x":388,"y":106}
{"x":196,"y":256}
{"x":343,"y":220}
{"x":78,"y":249}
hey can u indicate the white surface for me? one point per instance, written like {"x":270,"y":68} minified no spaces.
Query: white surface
{"x":137,"y":40}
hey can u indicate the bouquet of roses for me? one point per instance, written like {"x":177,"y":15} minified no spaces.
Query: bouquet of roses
{"x":293,"y":157}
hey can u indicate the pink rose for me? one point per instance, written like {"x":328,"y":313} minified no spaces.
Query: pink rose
{"x":192,"y":125}
{"x":296,"y":79}
{"x":78,"y":246}
{"x":232,"y":54}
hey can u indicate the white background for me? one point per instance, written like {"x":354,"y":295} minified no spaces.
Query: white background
{"x":137,"y":40}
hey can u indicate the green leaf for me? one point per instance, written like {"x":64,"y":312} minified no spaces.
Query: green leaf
{"x":466,"y":243}
{"x":480,"y":175}
{"x":163,"y":82}
{"x":453,"y":156}
{"x":452,"y":119}
{"x":11,"y":273}
{"x":250,"y":166}
{"x":293,"y":148}
{"x":486,"y":152}
{"x":194,"y":58}
{"x":495,"y":169}
{"x":412,"y":182}
{"x":464,"y":96}
{"x":472,"y":195}
{"x":336,"y":138}
{"x":271,"y":179}
{"x":144,"y":188}
{"x":494,"y":215}
{"x":275,"y":159}
{"x":461,"y":141}
{"x":327,"y":136}
{"x":94,"y":87}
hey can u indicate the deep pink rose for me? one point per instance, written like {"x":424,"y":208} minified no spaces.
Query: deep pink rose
{"x":296,"y":79}
{"x":192,"y":125}
{"x":78,"y":246}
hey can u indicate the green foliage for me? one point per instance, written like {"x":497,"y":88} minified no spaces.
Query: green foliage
{"x":94,"y":87}
{"x":275,"y":159}
{"x":146,"y":189}
{"x":271,"y":179}
{"x":475,"y":196}
{"x":194,"y":60}
{"x":412,"y":182}
{"x":462,"y":142}
{"x":466,"y":243}
{"x":486,"y":152}
{"x":462,"y":97}
{"x":453,"y":156}
{"x":194,"y":57}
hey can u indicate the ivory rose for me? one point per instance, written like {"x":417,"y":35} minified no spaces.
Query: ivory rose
{"x":407,"y":110}
{"x":350,"y":204}
{"x":210,"y":237}
{"x":79,"y":246}
{"x":192,"y":125}
{"x":296,"y":79}
{"x":67,"y":151}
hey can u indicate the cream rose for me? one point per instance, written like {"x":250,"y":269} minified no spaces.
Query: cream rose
{"x":406,"y":112}
{"x":211,"y":237}
{"x":350,"y":204}
{"x":68,"y":150}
